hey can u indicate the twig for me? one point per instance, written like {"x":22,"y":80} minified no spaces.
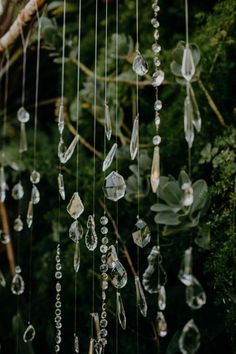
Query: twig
{"x":22,"y":20}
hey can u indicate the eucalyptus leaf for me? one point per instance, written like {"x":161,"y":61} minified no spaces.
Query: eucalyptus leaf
{"x":200,"y":195}
{"x":167,"y":218}
{"x":172,"y":194}
{"x":159,"y":207}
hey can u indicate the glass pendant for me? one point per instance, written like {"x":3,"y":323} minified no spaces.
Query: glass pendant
{"x":75,"y":207}
{"x":162,"y":298}
{"x":18,"y":224}
{"x":189,"y":341}
{"x":134,"y":143}
{"x":185,"y":272}
{"x":91,"y":239}
{"x":35,"y":177}
{"x":17,"y":191}
{"x":120,"y":310}
{"x":76,"y":231}
{"x":142,"y":234}
{"x":35,"y":195}
{"x":188,"y":67}
{"x":108,"y":126}
{"x":61,"y":122}
{"x":61,"y":187}
{"x":77,"y":257}
{"x":29,"y":219}
{"x":64,"y":154}
{"x":197,"y":120}
{"x":140,"y":297}
{"x":76,"y":344}
{"x":195,"y":294}
{"x":18,"y":284}
{"x":188,"y":122}
{"x":161,"y":324}
{"x":109,"y":158}
{"x":155,"y":171}
{"x":111,"y":257}
{"x":158,"y":78}
{"x":22,"y":115}
{"x":155,"y":273}
{"x":29,"y":334}
{"x":114,"y":186}
{"x":140,"y":66}
{"x":118,"y":275}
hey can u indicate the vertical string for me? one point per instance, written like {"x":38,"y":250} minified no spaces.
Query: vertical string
{"x":186,"y":22}
{"x":105,"y":91}
{"x":63,"y":52}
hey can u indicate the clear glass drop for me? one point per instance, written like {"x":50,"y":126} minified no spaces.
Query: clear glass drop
{"x":3,"y":185}
{"x":162,"y":298}
{"x":91,"y":239}
{"x":120,"y":310}
{"x":75,"y":207}
{"x":158,"y":78}
{"x":29,"y":218}
{"x":18,"y":284}
{"x":187,"y":199}
{"x":134,"y":142}
{"x":155,"y":171}
{"x":35,"y":177}
{"x":17,"y":191}
{"x":2,"y":280}
{"x":111,"y":257}
{"x":61,"y":186}
{"x":23,"y":138}
{"x":5,"y":238}
{"x":188,"y":121}
{"x":76,"y":231}
{"x":188,"y":67}
{"x":140,"y":297}
{"x":189,"y":341}
{"x":76,"y":344}
{"x":61,"y":122}
{"x":77,"y":256}
{"x":35,"y":195}
{"x":29,"y":334}
{"x":195,"y":294}
{"x":18,"y":224}
{"x":141,"y":234}
{"x":90,"y":221}
{"x":22,"y":115}
{"x":108,"y":126}
{"x":185,"y":272}
{"x":114,"y":186}
{"x":161,"y":324}
{"x":140,"y":66}
{"x":64,"y":153}
{"x":91,"y":346}
{"x":118,"y":276}
{"x":197,"y":120}
{"x":155,"y":274}
{"x":109,"y":158}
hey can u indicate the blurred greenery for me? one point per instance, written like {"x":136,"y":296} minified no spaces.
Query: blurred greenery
{"x":213,"y":31}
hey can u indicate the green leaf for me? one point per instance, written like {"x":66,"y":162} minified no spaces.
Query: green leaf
{"x":159,"y":207}
{"x":200,"y":195}
{"x":183,"y":178}
{"x":167,"y":218}
{"x":203,"y":238}
{"x":172,"y":194}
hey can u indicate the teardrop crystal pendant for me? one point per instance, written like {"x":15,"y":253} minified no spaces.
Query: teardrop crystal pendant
{"x":108,"y":126}
{"x":140,"y":66}
{"x":185,"y":272}
{"x":197,"y":120}
{"x":76,"y":231}
{"x":111,"y":257}
{"x":17,"y":191}
{"x":77,"y":257}
{"x":5,"y":238}
{"x":91,"y":239}
{"x":162,"y":298}
{"x":109,"y":158}
{"x":195,"y":294}
{"x":75,"y":207}
{"x":35,"y":177}
{"x":118,"y":276}
{"x":29,"y":334}
{"x":2,"y":280}
{"x":161,"y":324}
{"x":189,"y":341}
{"x":3,"y":185}
{"x":188,"y":122}
{"x":155,"y":272}
{"x":64,"y":154}
{"x":18,"y":224}
{"x":22,"y":115}
{"x":134,"y":142}
{"x":61,"y":122}
{"x":158,"y":78}
{"x":29,"y":218}
{"x":18,"y":284}
{"x":155,"y":171}
{"x":76,"y":344}
{"x":61,"y":187}
{"x":140,"y":297}
{"x":114,"y":186}
{"x":120,"y":310}
{"x":35,"y":195}
{"x":23,"y":139}
{"x":188,"y":67}
{"x":142,"y":234}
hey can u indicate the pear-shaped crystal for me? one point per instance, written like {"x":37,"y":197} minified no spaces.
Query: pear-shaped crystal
{"x":35,"y":177}
{"x":189,"y":341}
{"x":29,"y":218}
{"x":29,"y":334}
{"x":188,"y":67}
{"x":185,"y":272}
{"x":140,"y":66}
{"x":76,"y":231}
{"x":17,"y":285}
{"x":17,"y":191}
{"x":120,"y":310}
{"x":18,"y":224}
{"x":188,"y":121}
{"x":195,"y":294}
{"x":61,"y":122}
{"x":134,"y":142}
{"x":61,"y":187}
{"x":108,"y":126}
{"x":76,"y":344}
{"x":155,"y":171}
{"x":64,"y":153}
{"x":197,"y":120}
{"x":187,"y":199}
{"x":75,"y":207}
{"x":154,"y":272}
{"x":23,"y":138}
{"x":114,"y":186}
{"x":77,"y":256}
{"x":91,"y":239}
{"x":22,"y":115}
{"x":161,"y":324}
{"x":162,"y":298}
{"x":158,"y":78}
{"x":4,"y":237}
{"x":118,"y":276}
{"x":35,"y":195}
{"x":111,"y":257}
{"x":2,"y":280}
{"x":141,"y":234}
{"x":109,"y":158}
{"x":140,"y":297}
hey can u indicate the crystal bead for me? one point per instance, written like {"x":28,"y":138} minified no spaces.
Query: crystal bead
{"x":156,"y":140}
{"x":22,"y":115}
{"x":105,"y":240}
{"x":188,"y":121}
{"x":103,"y":323}
{"x":187,"y":199}
{"x":29,"y":334}
{"x":17,"y":191}
{"x":5,"y":238}
{"x":142,"y":234}
{"x":157,"y":121}
{"x":76,"y":231}
{"x":91,"y":221}
{"x":134,"y":142}
{"x":156,"y":48}
{"x":104,"y":296}
{"x":140,"y":66}
{"x":58,"y":304}
{"x":57,"y":348}
{"x":29,"y":218}
{"x":114,"y":186}
{"x":103,"y":332}
{"x":64,"y":154}
{"x":109,"y":158}
{"x":35,"y":177}
{"x":158,"y":78}
{"x":197,"y":120}
{"x":58,"y":287}
{"x":3,"y":185}
{"x":156,"y":35}
{"x":104,"y":268}
{"x":189,"y":341}
{"x":18,"y":284}
{"x":108,"y":126}
{"x":104,"y":220}
{"x":103,"y":259}
{"x":58,"y":312}
{"x":104,"y":342}
{"x":104,"y":285}
{"x":35,"y":195}
{"x":58,"y":339}
{"x":58,"y":266}
{"x":76,"y":344}
{"x":61,"y":122}
{"x":161,"y":324}
{"x":104,"y":276}
{"x":157,"y":105}
{"x":155,"y":171}
{"x":103,"y":249}
{"x":104,"y":230}
{"x":188,"y":66}
{"x":23,"y":139}
{"x":58,"y":275}
{"x":156,"y":61}
{"x":75,"y":207}
{"x":118,"y":276}
{"x":140,"y":297}
{"x":195,"y":294}
{"x":156,"y":7}
{"x":103,"y":314}
{"x":58,"y":319}
{"x":155,"y":23}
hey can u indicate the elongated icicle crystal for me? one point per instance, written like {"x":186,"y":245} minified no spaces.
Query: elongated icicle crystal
{"x":155,"y":172}
{"x":109,"y":158}
{"x":134,"y":139}
{"x":108,"y":127}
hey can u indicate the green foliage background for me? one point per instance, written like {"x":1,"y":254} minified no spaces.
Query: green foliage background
{"x":212,"y":28}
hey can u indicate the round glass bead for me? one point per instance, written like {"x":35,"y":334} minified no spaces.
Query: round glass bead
{"x":104,"y":268}
{"x":156,"y":62}
{"x":58,"y":319}
{"x":104,"y":220}
{"x":103,"y":341}
{"x":104,"y":314}
{"x":58,"y":258}
{"x":104,"y":296}
{"x":104,"y":307}
{"x":103,"y":332}
{"x":58,"y":297}
{"x":156,"y":140}
{"x":58,"y":332}
{"x":58,"y":275}
{"x":58,"y":304}
{"x":103,"y":249}
{"x":35,"y":177}
{"x":104,"y":258}
{"x":104,"y":276}
{"x":104,"y":230}
{"x":57,"y":348}
{"x":58,"y":312}
{"x":158,"y":78}
{"x":156,"y":48}
{"x":104,"y":285}
{"x":58,"y":325}
{"x":58,"y":266}
{"x":155,"y":23}
{"x":156,"y":7}
{"x":156,"y":35}
{"x":58,"y":287}
{"x":103,"y":323}
{"x":157,"y":121}
{"x":158,"y":105}
{"x":105,"y":240}
{"x":58,"y":339}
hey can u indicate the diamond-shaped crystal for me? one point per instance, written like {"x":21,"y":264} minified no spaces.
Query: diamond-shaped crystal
{"x":75,"y":207}
{"x":76,"y":231}
{"x":114,"y":186}
{"x":142,"y":234}
{"x":188,"y":66}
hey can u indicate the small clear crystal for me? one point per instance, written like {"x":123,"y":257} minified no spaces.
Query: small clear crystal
{"x":155,"y":171}
{"x":158,"y":78}
{"x":29,"y":334}
{"x":17,"y":191}
{"x":161,"y":324}
{"x":156,"y":48}
{"x":91,"y":239}
{"x":156,"y":35}
{"x":185,"y":272}
{"x":3,"y":185}
{"x":5,"y":238}
{"x":77,"y":256}
{"x":29,"y":218}
{"x":114,"y":186}
{"x":140,"y":297}
{"x":111,"y":257}
{"x":18,"y":284}
{"x":35,"y":177}
{"x":75,"y":207}
{"x":104,"y":220}
{"x":197,"y":120}
{"x":155,"y":23}
{"x":158,"y":105}
{"x":120,"y":310}
{"x":195,"y":294}
{"x":140,"y":66}
{"x":156,"y":61}
{"x":23,"y":139}
{"x":154,"y":272}
{"x":18,"y":224}
{"x":22,"y":115}
{"x":64,"y":153}
{"x":35,"y":195}
{"x":109,"y":158}
{"x":76,"y":344}
{"x":188,"y":121}
{"x":142,"y":234}
{"x":134,"y":142}
{"x":118,"y":276}
{"x":162,"y":298}
{"x":76,"y":231}
{"x":156,"y":140}
{"x":61,"y":122}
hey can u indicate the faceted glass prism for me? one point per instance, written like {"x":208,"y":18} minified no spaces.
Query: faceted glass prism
{"x":197,"y":120}
{"x":188,"y":66}
{"x":188,"y":122}
{"x":140,"y":297}
{"x":64,"y":153}
{"x":155,"y":274}
{"x":189,"y":341}
{"x":134,"y":142}
{"x":61,"y":187}
{"x":142,"y":234}
{"x":155,"y":171}
{"x":75,"y":207}
{"x":120,"y":310}
{"x":76,"y":231}
{"x":109,"y":158}
{"x":108,"y":126}
{"x":61,"y":122}
{"x":118,"y":276}
{"x":23,"y":139}
{"x":111,"y":257}
{"x":114,"y":186}
{"x":140,"y":66}
{"x":185,"y":272}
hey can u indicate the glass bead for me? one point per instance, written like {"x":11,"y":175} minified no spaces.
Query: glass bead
{"x":104,"y":276}
{"x":104,"y":314}
{"x":104,"y":285}
{"x":103,"y":323}
{"x":158,"y":78}
{"x":104,"y":296}
{"x":58,"y":339}
{"x":58,"y":319}
{"x":105,"y":240}
{"x":158,"y":105}
{"x":104,"y":230}
{"x":156,"y":48}
{"x":58,"y":266}
{"x":104,"y":306}
{"x":157,"y":121}
{"x":104,"y":342}
{"x":58,"y":298}
{"x":104,"y":220}
{"x":103,"y":249}
{"x":58,"y":287}
{"x":156,"y":35}
{"x":155,"y":23}
{"x":58,"y":304}
{"x":57,"y":348}
{"x":156,"y":140}
{"x":103,"y":332}
{"x":156,"y":61}
{"x":114,"y":186}
{"x":35,"y":177}
{"x":103,"y":258}
{"x":58,"y":275}
{"x":104,"y":268}
{"x":58,"y":312}
{"x":58,"y":325}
